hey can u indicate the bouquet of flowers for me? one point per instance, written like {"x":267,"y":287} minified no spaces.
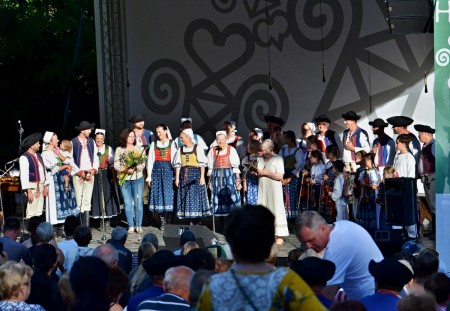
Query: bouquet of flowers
{"x":130,"y":159}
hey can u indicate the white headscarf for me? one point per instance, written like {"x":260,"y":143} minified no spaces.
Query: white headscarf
{"x":100,"y":131}
{"x":46,"y":139}
{"x":258,"y":132}
{"x":312,"y":126}
{"x":221,"y":133}
{"x":190,"y":133}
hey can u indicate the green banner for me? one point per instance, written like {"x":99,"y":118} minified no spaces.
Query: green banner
{"x":442,"y":111}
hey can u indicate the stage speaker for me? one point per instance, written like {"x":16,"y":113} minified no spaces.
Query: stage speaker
{"x":410,"y":16}
{"x":401,"y":201}
{"x":389,"y":242}
{"x":203,"y":236}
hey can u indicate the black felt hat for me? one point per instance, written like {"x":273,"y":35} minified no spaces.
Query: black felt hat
{"x":137,"y":118}
{"x":85,"y":125}
{"x":378,"y":123}
{"x":351,"y":115}
{"x":424,"y":128}
{"x":29,"y":141}
{"x":161,"y":261}
{"x":390,"y":271}
{"x":400,"y":121}
{"x":273,"y":119}
{"x":314,"y":270}
{"x":322,"y":118}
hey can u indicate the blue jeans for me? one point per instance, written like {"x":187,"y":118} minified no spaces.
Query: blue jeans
{"x":132,"y":192}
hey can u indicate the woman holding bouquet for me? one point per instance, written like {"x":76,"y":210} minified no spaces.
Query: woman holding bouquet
{"x":190,"y":162}
{"x":129,"y":161}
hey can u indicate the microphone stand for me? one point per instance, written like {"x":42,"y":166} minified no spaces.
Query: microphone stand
{"x":218,"y":149}
{"x":21,"y":130}
{"x":102,"y":200}
{"x":1,"y":193}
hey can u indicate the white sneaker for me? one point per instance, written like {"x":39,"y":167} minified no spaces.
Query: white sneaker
{"x":131,"y":230}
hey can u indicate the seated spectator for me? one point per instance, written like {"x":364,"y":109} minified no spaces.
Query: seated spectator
{"x":201,"y":259}
{"x":83,"y":237}
{"x":186,"y":236}
{"x":70,"y":224}
{"x":251,"y":281}
{"x":119,"y":237}
{"x":44,"y":289}
{"x":3,"y":255}
{"x":177,"y":281}
{"x":199,"y":279}
{"x":427,"y":264}
{"x":44,"y":234}
{"x":89,"y":280}
{"x":156,"y":267}
{"x":188,"y":247}
{"x":32,"y":225}
{"x":150,"y":238}
{"x":417,"y":302}
{"x":108,"y":254}
{"x":67,"y":294}
{"x":11,"y":231}
{"x":15,"y":278}
{"x":439,"y":285}
{"x":117,"y":285}
{"x":390,"y":277}
{"x":139,"y":279}
{"x":316,"y":272}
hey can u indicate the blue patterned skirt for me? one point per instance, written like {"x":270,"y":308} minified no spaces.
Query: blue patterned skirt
{"x":367,"y":216}
{"x":225,"y":196}
{"x":290,"y":197}
{"x":192,"y":201}
{"x":162,"y":198}
{"x":66,"y":203}
{"x":252,"y":189}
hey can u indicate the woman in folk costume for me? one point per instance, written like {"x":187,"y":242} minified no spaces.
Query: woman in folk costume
{"x":223,"y":169}
{"x":60,"y":203}
{"x":294,"y":161}
{"x":105,"y":195}
{"x":190,"y":162}
{"x":369,"y":181}
{"x":129,"y":163}
{"x":160,"y":175}
{"x":232,"y":139}
{"x":270,"y":191}
{"x":250,"y":176}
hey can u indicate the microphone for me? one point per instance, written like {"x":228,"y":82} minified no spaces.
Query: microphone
{"x":12,"y":161}
{"x":20,"y":126}
{"x":218,"y":148}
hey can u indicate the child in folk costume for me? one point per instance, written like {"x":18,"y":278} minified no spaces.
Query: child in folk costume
{"x":314,"y":179}
{"x":160,"y":175}
{"x":223,"y":168}
{"x":337,"y":193}
{"x":388,"y":172}
{"x":250,"y":177}
{"x":329,"y":207}
{"x":354,"y":194}
{"x":65,"y":155}
{"x":190,"y":162}
{"x":369,"y":181}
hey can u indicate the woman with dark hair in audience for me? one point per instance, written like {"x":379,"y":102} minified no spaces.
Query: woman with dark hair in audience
{"x":89,"y":280}
{"x":139,"y":279}
{"x":44,"y":288}
{"x":15,"y":278}
{"x":427,"y":263}
{"x":252,"y":284}
{"x":117,"y":284}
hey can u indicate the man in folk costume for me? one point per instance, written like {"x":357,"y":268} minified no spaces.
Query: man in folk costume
{"x":383,"y":147}
{"x":86,"y":159}
{"x":354,"y":139}
{"x":400,"y":126}
{"x":272,"y":122}
{"x":327,"y":136}
{"x":233,"y":140}
{"x":33,"y":175}
{"x":186,"y":123}
{"x":427,"y":171}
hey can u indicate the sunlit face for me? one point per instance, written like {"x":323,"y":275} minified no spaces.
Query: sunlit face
{"x":86,"y":132}
{"x":349,"y":123}
{"x":99,"y":140}
{"x":266,"y":151}
{"x":396,"y":129}
{"x":139,"y":125}
{"x":36,"y":146}
{"x":424,"y":137}
{"x":54,"y":141}
{"x":131,"y":138}
{"x":221,"y":140}
{"x":253,"y":136}
{"x":315,"y":239}
{"x":323,"y":126}
{"x":185,"y":139}
{"x":161,"y":133}
{"x":368,"y":162}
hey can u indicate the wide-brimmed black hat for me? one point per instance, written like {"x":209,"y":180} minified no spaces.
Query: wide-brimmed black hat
{"x":161,"y":261}
{"x":351,"y":115}
{"x":424,"y":128}
{"x":322,"y":118}
{"x":85,"y":125}
{"x":29,"y":141}
{"x":400,"y":121}
{"x":274,"y":119}
{"x":378,"y":123}
{"x":137,"y":118}
{"x":390,"y":271}
{"x":314,"y":270}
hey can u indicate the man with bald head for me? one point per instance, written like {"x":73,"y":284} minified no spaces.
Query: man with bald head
{"x":108,"y":254}
{"x":176,"y":286}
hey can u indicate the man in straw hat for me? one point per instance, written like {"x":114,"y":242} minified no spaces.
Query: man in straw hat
{"x":383,"y":147}
{"x":33,"y":175}
{"x":86,"y":159}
